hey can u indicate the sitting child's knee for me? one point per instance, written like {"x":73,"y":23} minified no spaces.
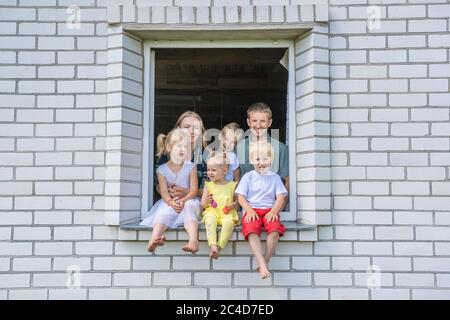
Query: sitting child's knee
{"x":227,"y":221}
{"x":275,"y":234}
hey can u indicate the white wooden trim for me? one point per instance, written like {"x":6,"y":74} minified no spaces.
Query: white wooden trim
{"x":149,"y":89}
{"x":292,"y":128}
{"x":219,"y":43}
{"x":148,"y":122}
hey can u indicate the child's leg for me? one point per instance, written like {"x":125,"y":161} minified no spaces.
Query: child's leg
{"x":191,"y":227}
{"x":191,"y":210}
{"x":271,"y":244}
{"x":275,"y":230}
{"x":211,"y":229}
{"x":255,"y":245}
{"x":157,"y":238}
{"x":214,"y":251}
{"x":164,"y":217}
{"x":211,"y":234}
{"x":225,"y":232}
{"x":191,"y":224}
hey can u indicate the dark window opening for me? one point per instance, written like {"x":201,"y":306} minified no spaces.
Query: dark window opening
{"x":219,"y":84}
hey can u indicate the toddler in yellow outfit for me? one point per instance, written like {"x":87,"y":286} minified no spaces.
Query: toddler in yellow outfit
{"x":220,"y":204}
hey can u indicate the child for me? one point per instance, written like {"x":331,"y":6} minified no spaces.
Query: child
{"x":173,"y":212}
{"x":229,"y":136}
{"x":259,"y":120}
{"x":261,"y":194}
{"x":219,"y":203}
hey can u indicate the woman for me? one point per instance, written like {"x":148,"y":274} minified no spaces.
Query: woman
{"x":193,"y":124}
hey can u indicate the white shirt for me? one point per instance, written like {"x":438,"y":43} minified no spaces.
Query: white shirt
{"x":234,"y":164}
{"x":261,"y":189}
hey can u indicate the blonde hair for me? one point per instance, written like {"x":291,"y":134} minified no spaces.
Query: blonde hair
{"x":262,"y":147}
{"x":163,"y":141}
{"x":193,"y":115}
{"x":259,"y":107}
{"x":238,"y":132}
{"x":219,"y":158}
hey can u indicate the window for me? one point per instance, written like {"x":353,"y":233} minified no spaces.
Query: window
{"x":219,"y":80}
{"x":135,"y":35}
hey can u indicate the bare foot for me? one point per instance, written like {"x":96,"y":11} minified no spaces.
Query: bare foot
{"x":264,"y":272}
{"x":191,"y":246}
{"x":153,"y":243}
{"x":214,"y":252}
{"x":160,"y":241}
{"x":257,"y":267}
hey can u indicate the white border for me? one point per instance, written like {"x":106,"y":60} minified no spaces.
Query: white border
{"x":148,"y":112}
{"x":149,"y":120}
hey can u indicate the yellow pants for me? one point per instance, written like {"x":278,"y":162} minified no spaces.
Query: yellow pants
{"x":211,"y":222}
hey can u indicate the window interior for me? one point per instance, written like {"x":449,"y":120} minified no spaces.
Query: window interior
{"x":219,"y":84}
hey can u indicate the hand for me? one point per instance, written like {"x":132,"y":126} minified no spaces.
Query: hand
{"x":175,"y":191}
{"x":271,"y":216}
{"x":171,"y":190}
{"x":177,"y":204}
{"x":180,"y":203}
{"x":180,"y":191}
{"x":251,"y":216}
{"x":210,"y":198}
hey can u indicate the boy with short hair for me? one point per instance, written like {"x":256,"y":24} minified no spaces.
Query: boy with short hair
{"x":261,"y":194}
{"x":259,"y":120}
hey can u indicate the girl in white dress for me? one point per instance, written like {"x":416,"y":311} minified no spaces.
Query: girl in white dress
{"x":170,"y":212}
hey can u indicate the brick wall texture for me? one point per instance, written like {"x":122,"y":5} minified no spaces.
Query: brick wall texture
{"x":68,"y":120}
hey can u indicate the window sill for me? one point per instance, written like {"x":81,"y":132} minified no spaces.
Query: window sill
{"x":294,"y":232}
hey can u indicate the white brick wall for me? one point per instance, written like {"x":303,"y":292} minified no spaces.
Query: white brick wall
{"x":389,"y":116}
{"x":403,"y":158}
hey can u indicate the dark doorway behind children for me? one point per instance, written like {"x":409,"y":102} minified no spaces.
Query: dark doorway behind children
{"x":219,"y":84}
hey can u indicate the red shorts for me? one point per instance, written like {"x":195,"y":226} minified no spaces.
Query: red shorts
{"x":257,"y":225}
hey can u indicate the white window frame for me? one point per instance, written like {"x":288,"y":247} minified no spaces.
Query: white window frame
{"x":149,"y":110}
